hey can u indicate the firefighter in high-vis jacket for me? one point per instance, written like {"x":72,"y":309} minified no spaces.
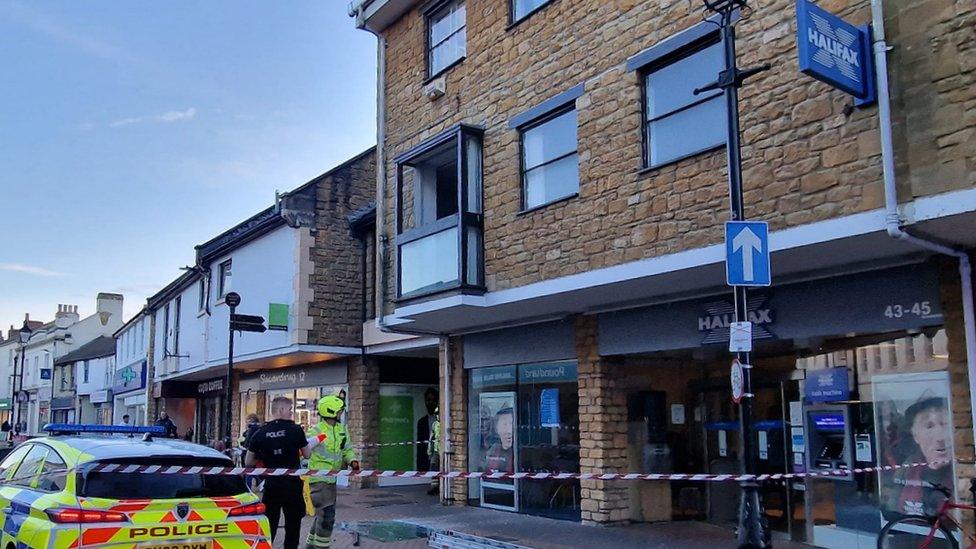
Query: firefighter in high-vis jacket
{"x":334,"y":451}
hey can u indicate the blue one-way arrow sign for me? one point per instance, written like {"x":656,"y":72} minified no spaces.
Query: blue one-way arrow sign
{"x":747,"y":253}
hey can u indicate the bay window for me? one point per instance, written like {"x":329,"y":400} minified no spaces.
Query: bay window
{"x":439,"y":214}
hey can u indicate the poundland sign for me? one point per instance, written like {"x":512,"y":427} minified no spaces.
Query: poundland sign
{"x":834,"y":51}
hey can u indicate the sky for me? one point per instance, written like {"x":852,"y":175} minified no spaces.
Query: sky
{"x":132,"y":131}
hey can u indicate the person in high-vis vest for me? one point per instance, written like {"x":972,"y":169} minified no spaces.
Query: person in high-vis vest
{"x":332,"y":451}
{"x":434,"y":451}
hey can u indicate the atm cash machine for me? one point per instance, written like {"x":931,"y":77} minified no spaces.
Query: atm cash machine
{"x":829,"y":439}
{"x":839,"y":437}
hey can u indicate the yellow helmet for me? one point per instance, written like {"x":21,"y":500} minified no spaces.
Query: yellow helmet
{"x":330,"y":406}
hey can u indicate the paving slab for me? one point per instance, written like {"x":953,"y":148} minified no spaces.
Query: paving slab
{"x":370,"y":511}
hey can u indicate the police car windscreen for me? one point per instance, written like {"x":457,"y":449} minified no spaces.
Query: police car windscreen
{"x":161,"y":486}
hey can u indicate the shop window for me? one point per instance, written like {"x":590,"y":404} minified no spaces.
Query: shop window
{"x":678,"y":123}
{"x":439,"y":219}
{"x":550,"y":164}
{"x":446,"y":36}
{"x":526,"y":418}
{"x":202,"y":297}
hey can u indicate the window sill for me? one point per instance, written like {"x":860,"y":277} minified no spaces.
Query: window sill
{"x":543,"y":206}
{"x":441,"y":72}
{"x":201,"y":313}
{"x":440,"y":289}
{"x":514,"y":23}
{"x":219,"y":301}
{"x":651,"y":169}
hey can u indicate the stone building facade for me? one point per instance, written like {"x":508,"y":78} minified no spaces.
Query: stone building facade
{"x":613,"y":288}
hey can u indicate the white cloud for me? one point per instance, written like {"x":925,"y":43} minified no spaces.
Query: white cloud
{"x":28,"y":269}
{"x":166,"y":118}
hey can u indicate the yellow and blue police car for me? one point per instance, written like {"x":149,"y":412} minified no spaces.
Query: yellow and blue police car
{"x":52,"y":497}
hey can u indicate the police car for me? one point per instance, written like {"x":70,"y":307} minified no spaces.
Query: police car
{"x":50,"y":496}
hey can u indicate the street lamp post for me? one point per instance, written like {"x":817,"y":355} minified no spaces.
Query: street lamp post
{"x":232,"y":299}
{"x":24,"y":334}
{"x":752,"y":531}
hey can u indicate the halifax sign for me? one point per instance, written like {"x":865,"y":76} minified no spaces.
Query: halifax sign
{"x":835,"y":52}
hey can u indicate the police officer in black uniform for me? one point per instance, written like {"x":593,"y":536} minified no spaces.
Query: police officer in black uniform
{"x":281,"y":443}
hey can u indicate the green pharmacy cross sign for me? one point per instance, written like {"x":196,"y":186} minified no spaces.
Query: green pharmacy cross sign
{"x":127,"y":374}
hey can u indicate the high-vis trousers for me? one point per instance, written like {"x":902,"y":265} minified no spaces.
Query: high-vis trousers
{"x":324,"y":500}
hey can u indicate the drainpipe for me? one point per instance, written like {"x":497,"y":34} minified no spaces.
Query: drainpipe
{"x":892,"y":218}
{"x":357,"y":10}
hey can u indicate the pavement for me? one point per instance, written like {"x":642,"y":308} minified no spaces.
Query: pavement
{"x":401,"y":517}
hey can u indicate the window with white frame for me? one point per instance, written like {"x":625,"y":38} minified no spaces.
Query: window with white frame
{"x":679,"y":123}
{"x":550,"y":163}
{"x":225,"y":277}
{"x":446,"y":36}
{"x":202,"y":299}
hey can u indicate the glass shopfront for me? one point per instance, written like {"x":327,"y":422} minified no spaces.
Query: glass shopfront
{"x":526,"y":418}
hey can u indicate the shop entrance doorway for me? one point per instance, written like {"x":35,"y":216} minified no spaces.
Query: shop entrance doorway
{"x":500,"y":455}
{"x":720,"y":443}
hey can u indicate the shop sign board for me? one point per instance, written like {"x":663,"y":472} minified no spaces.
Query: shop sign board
{"x":835,"y":51}
{"x":45,"y":373}
{"x":549,"y":407}
{"x":747,"y":253}
{"x":100,"y":396}
{"x":493,"y":377}
{"x":215,"y":385}
{"x":880,"y":301}
{"x":830,"y":385}
{"x":129,"y":378}
{"x":5,"y":404}
{"x":294,"y":377}
{"x":552,"y":372}
{"x":278,"y":316}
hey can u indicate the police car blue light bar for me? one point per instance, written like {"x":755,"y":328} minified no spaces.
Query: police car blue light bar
{"x":103,"y":429}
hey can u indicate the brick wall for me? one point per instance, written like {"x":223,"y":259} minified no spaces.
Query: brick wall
{"x":603,"y":430}
{"x":363,"y":412}
{"x":962,"y":418}
{"x":805,"y":160}
{"x":458,"y":458}
{"x":337,"y":276}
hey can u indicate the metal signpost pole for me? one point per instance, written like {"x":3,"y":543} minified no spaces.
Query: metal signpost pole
{"x":751,"y":532}
{"x":233,"y":299}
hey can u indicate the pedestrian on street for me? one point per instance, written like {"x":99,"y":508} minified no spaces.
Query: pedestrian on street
{"x":333,"y":451}
{"x":166,"y":423}
{"x":280,"y":443}
{"x":125,"y":420}
{"x":434,"y":451}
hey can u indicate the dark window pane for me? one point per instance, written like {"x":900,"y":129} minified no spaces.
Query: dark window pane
{"x":30,"y":466}
{"x":53,"y":474}
{"x":124,"y":485}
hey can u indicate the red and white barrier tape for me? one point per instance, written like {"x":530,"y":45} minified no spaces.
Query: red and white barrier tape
{"x":381,"y":444}
{"x":268,"y":472}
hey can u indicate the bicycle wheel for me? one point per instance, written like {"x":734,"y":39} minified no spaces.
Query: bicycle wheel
{"x":910,"y":533}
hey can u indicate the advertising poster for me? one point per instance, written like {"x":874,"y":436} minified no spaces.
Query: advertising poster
{"x":396,"y":425}
{"x":913,"y":424}
{"x":496,"y":432}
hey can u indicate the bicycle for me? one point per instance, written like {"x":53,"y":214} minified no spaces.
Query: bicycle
{"x":929,"y":532}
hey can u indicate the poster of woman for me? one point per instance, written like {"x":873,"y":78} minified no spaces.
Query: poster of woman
{"x":914,"y":425}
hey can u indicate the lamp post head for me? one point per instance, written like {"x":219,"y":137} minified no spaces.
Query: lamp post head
{"x":25,"y":333}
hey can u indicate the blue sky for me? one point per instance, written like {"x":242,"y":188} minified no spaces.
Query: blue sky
{"x":132,"y":131}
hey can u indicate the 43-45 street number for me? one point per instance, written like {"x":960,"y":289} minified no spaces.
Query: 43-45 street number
{"x":919,"y":308}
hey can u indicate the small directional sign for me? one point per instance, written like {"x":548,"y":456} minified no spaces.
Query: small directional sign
{"x":247,"y":323}
{"x":747,"y":253}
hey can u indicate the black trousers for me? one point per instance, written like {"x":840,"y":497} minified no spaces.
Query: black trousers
{"x":284,"y":496}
